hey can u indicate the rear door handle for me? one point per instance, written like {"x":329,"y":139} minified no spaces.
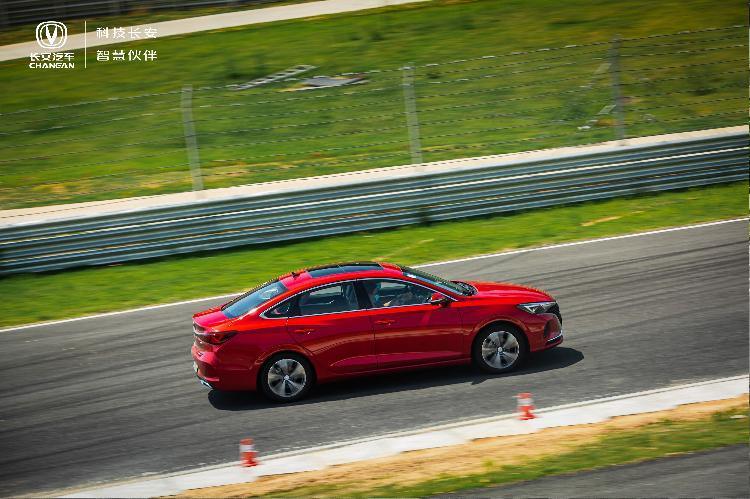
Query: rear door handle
{"x":304,"y":331}
{"x":385,"y":322}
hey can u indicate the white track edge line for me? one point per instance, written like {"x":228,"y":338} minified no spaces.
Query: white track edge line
{"x":434,"y":264}
{"x":118,"y":312}
{"x":477,"y":420}
{"x":500,"y":417}
{"x":457,"y":424}
{"x":587,"y":241}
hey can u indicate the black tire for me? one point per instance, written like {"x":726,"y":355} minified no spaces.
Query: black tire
{"x":283,"y":372}
{"x":511,"y":342}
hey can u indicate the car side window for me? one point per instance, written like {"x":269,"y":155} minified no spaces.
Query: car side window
{"x":280,"y":310}
{"x":327,"y":300}
{"x":395,"y":293}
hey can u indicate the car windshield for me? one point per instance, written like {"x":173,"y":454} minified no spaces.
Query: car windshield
{"x":252,"y":299}
{"x":437,"y":281}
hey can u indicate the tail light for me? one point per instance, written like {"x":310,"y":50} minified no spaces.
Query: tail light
{"x":216,"y":338}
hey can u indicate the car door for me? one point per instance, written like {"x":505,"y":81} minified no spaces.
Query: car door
{"x":408,"y":329}
{"x":330,"y":323}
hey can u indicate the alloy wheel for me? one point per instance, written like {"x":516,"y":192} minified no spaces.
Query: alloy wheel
{"x":500,"y":349}
{"x":287,"y":377}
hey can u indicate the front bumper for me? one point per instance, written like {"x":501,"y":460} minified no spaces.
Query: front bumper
{"x":555,"y":340}
{"x":545,"y":332}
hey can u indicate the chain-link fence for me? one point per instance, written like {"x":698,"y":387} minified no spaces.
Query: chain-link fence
{"x":208,"y":137}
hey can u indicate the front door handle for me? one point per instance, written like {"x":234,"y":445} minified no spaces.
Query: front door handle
{"x":385,"y":322}
{"x":304,"y":331}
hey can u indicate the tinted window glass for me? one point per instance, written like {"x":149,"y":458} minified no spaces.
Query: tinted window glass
{"x":324,"y":271}
{"x":280,"y":310}
{"x":330,"y":299}
{"x":252,"y":299}
{"x":435,"y":280}
{"x":360,"y":267}
{"x":342,"y":268}
{"x":395,"y":293}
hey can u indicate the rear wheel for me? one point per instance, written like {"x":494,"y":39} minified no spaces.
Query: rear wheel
{"x":499,"y":349}
{"x":286,"y":377}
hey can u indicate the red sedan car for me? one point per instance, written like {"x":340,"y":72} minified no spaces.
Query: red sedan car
{"x":348,"y":319}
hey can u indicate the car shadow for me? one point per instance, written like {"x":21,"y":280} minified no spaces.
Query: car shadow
{"x":548,"y":360}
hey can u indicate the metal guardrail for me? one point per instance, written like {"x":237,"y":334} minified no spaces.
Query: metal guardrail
{"x":153,"y":233}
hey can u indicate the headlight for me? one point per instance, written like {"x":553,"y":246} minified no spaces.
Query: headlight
{"x":539,"y":307}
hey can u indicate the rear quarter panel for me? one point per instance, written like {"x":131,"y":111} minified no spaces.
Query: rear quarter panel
{"x":257,"y":339}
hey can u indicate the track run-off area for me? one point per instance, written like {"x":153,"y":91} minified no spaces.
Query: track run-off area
{"x":113,"y":397}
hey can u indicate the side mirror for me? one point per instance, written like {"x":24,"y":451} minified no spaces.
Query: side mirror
{"x":439,"y":299}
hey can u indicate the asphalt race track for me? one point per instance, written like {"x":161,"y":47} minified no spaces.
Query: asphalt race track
{"x":114,"y":397}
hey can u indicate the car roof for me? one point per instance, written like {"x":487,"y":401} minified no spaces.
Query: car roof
{"x":322,"y":274}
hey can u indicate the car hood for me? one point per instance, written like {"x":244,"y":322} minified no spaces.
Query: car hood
{"x":509,"y":291}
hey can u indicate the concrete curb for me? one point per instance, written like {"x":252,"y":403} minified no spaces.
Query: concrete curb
{"x":586,"y":412}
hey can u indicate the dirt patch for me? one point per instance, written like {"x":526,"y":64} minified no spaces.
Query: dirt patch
{"x":465,"y":459}
{"x":600,"y":220}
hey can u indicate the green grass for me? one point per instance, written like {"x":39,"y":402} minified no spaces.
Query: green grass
{"x":142,"y":15}
{"x":664,"y":438}
{"x":36,"y":297}
{"x":129,"y":147}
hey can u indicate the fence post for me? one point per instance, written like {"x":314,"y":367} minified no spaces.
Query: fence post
{"x":614,"y":68}
{"x":191,"y":141}
{"x":412,"y":125}
{"x":412,"y":119}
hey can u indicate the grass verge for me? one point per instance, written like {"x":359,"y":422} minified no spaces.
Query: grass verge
{"x":37,"y":297}
{"x":115,"y":147}
{"x":502,"y":460}
{"x":652,"y":441}
{"x":140,"y":15}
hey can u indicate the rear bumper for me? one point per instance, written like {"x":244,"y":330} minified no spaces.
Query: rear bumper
{"x":203,"y":381}
{"x":212,"y":373}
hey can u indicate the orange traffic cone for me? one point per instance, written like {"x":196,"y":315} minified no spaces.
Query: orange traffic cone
{"x":247,"y":452}
{"x":525,"y":406}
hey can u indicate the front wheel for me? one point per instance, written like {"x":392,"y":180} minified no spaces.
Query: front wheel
{"x":499,"y":349}
{"x":286,"y":377}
